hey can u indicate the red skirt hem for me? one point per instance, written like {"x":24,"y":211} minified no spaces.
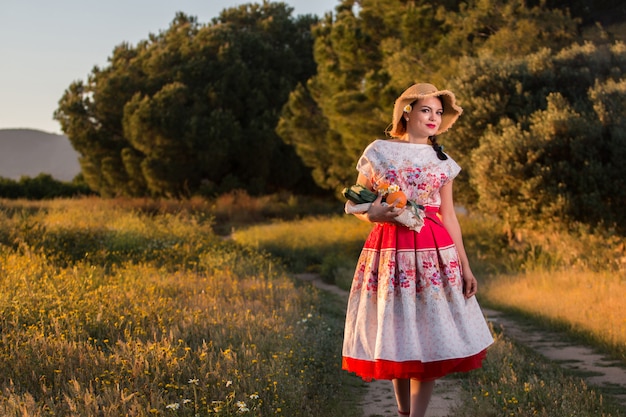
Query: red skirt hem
{"x":422,"y":371}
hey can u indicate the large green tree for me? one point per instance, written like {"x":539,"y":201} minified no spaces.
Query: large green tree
{"x":194,"y":108}
{"x":371,"y":50}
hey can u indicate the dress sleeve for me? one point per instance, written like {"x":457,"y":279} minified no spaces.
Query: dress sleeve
{"x":366,"y":163}
{"x":453,"y":169}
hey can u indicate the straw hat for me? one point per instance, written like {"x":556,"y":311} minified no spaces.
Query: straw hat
{"x":451,"y":111}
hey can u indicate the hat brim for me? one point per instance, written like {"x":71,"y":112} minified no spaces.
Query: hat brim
{"x":451,"y":111}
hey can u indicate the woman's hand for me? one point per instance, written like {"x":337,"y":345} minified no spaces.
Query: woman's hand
{"x":383,"y":213}
{"x":470,"y":285}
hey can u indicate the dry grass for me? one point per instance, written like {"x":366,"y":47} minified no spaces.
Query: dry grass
{"x":115,"y":307}
{"x":586,"y":302}
{"x":514,"y":381}
{"x":135,"y":307}
{"x":329,"y":245}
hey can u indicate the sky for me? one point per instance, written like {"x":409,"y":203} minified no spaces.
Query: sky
{"x":46,"y":45}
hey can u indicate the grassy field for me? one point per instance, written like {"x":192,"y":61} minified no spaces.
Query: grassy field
{"x":590,"y":304}
{"x":111,"y":307}
{"x":137,"y":307}
{"x":328,"y":245}
{"x":570,"y":281}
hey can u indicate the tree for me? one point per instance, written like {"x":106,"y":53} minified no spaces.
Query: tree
{"x":560,"y":156}
{"x":194,"y":107}
{"x":373,"y":49}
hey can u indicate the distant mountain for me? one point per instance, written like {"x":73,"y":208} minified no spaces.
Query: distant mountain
{"x":27,"y":152}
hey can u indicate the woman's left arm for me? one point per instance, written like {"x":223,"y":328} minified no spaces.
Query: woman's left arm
{"x":451,"y":223}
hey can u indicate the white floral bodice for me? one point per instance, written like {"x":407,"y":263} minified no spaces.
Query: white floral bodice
{"x":415,"y":168}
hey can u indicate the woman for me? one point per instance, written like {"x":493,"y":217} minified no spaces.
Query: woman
{"x":412,"y":316}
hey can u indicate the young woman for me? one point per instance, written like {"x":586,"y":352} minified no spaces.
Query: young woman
{"x":412,"y":316}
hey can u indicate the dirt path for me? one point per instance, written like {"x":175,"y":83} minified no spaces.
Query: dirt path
{"x":595,"y":368}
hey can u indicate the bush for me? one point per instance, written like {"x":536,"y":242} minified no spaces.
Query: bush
{"x":43,"y":186}
{"x":544,"y":136}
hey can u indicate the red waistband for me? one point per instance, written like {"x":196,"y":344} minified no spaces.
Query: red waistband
{"x":431,"y":209}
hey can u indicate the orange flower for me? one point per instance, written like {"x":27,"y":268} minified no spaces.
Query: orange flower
{"x":382,"y":187}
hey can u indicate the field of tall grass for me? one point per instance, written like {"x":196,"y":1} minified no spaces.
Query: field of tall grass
{"x":328,"y":245}
{"x":138,"y":307}
{"x":113,"y":308}
{"x":589,"y":304}
{"x":570,"y":280}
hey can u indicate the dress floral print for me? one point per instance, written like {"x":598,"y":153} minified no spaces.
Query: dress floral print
{"x":407,"y":316}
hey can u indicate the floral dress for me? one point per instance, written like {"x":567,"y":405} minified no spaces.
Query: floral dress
{"x":407,"y":316}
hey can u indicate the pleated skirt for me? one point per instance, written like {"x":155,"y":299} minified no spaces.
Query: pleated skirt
{"x":407,"y":316}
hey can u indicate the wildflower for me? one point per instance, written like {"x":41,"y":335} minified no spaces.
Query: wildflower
{"x":407,"y":108}
{"x":186,"y":401}
{"x":254,"y":397}
{"x":193,"y":381}
{"x":243,"y":408}
{"x":217,"y":406}
{"x":229,"y":383}
{"x":173,"y":406}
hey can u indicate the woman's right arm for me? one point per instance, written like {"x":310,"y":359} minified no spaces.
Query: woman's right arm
{"x":377,"y":213}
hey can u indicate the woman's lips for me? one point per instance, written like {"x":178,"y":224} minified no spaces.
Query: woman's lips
{"x":431,"y":126}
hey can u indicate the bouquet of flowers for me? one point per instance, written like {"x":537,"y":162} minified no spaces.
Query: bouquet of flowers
{"x":359,"y":200}
{"x":358,"y":194}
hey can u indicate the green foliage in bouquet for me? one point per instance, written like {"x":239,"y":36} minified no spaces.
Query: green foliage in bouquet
{"x":358,"y":194}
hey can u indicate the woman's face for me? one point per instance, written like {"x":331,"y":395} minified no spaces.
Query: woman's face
{"x":425,"y":117}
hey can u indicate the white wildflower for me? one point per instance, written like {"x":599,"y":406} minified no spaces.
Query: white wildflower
{"x":173,"y":406}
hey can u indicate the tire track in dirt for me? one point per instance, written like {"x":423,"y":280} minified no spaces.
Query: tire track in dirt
{"x":597,"y":369}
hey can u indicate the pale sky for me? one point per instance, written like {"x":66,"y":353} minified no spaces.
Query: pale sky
{"x":45,"y":45}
